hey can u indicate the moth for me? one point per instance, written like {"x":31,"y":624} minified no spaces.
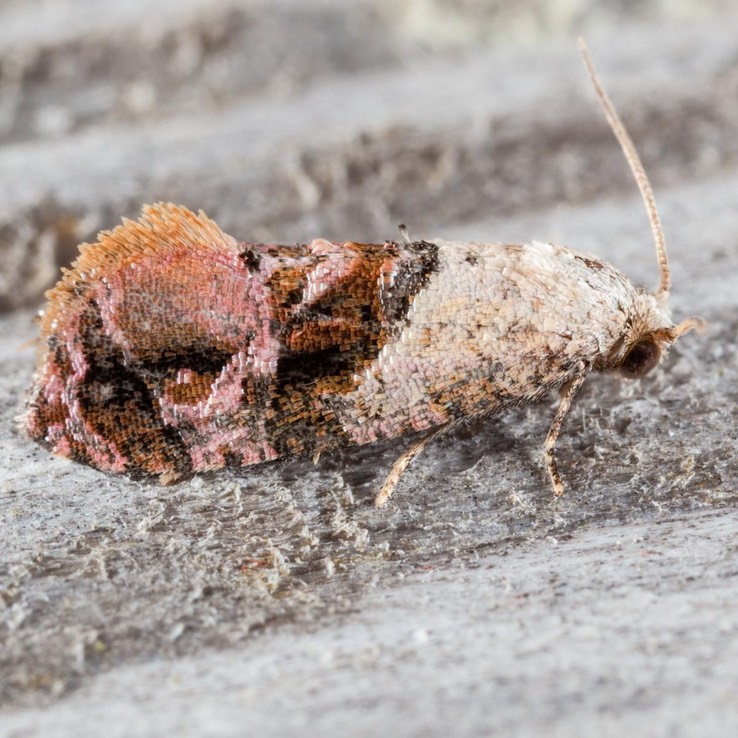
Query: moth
{"x":169,"y":348}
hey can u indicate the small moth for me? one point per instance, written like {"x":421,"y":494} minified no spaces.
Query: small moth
{"x":170,"y":348}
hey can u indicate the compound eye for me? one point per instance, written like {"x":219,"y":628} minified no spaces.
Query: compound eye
{"x":642,"y":357}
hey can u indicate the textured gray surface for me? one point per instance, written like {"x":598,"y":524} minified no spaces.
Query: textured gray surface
{"x":278,"y":598}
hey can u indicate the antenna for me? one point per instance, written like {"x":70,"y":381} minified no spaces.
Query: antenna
{"x":636,"y":166}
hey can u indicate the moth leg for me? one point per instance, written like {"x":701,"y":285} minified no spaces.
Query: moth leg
{"x":566,"y":393}
{"x":402,"y":463}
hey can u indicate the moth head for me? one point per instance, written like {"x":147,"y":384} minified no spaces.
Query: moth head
{"x":650,"y":334}
{"x":641,"y":358}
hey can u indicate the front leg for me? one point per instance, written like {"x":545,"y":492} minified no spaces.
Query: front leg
{"x":566,"y":393}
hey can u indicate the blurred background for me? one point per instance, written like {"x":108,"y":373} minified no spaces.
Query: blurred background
{"x":286,"y":120}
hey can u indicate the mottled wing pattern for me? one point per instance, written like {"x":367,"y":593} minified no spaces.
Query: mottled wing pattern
{"x":496,"y":325}
{"x":169,"y":348}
